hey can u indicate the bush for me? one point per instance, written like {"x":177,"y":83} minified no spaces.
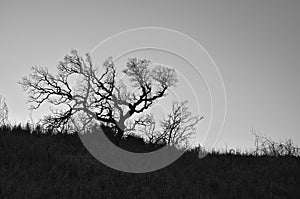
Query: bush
{"x":266,"y":146}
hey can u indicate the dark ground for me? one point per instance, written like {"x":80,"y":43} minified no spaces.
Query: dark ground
{"x":47,"y":166}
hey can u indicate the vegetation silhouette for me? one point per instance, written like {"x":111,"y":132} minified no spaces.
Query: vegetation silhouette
{"x":40,"y":164}
{"x":103,"y":97}
{"x":48,"y":160}
{"x":3,"y":111}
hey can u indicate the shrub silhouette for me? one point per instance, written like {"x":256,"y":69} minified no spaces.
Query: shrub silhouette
{"x":266,"y":146}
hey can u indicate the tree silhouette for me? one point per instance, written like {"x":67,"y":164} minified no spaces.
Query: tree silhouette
{"x":3,"y":111}
{"x":95,"y":95}
{"x":175,"y":129}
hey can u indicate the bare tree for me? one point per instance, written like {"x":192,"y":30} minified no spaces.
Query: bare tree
{"x":175,"y":129}
{"x":179,"y":125}
{"x":3,"y":111}
{"x":98,"y":95}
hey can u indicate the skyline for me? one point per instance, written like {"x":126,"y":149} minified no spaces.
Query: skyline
{"x":255,"y":46}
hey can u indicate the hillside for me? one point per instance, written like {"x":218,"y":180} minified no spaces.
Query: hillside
{"x":48,"y":166}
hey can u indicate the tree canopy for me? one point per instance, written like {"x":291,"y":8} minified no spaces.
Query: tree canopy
{"x":80,"y":93}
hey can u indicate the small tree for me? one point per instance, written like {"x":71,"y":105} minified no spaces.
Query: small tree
{"x":179,"y":125}
{"x":175,"y":129}
{"x":3,"y":111}
{"x":96,"y":96}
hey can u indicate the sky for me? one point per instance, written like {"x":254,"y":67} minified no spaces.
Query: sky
{"x":255,"y":45}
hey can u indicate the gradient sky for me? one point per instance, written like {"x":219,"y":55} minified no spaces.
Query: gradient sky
{"x":255,"y":44}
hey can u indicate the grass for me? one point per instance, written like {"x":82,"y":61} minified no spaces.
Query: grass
{"x":47,"y":166}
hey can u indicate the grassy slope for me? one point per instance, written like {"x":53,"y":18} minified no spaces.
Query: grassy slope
{"x":60,"y":167}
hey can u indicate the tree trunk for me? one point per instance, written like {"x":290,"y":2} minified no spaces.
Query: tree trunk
{"x":120,"y":127}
